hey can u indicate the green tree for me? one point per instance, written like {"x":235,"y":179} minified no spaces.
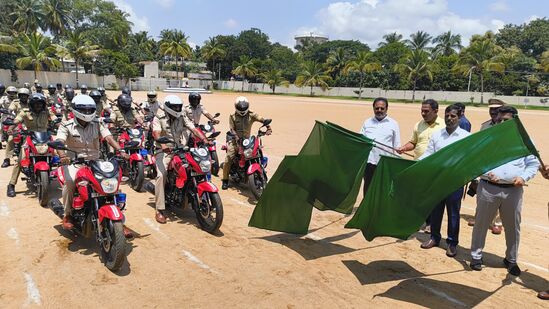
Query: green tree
{"x":390,"y":38}
{"x":27,"y":16}
{"x":363,"y":63}
{"x":174,"y":44}
{"x":313,"y":74}
{"x":78,"y":48}
{"x":480,"y":57}
{"x":415,"y":66}
{"x":419,"y":40}
{"x":245,"y":67}
{"x":274,"y":78}
{"x":320,"y":52}
{"x":336,"y":61}
{"x":140,"y":47}
{"x":447,"y":44}
{"x":57,"y":17}
{"x":37,"y":52}
{"x":283,"y":58}
{"x":212,"y":51}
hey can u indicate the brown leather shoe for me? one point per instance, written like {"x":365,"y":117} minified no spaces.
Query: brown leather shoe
{"x":160,"y":217}
{"x":67,"y":223}
{"x":451,"y":251}
{"x":429,"y":244}
{"x":127,"y":232}
{"x":471,"y":222}
{"x":496,"y":229}
{"x":544,"y":295}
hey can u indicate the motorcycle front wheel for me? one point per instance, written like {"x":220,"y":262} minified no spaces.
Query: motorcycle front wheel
{"x":137,"y":176}
{"x":113,"y":248}
{"x":43,"y":182}
{"x":209,"y":212}
{"x":215,"y":165}
{"x":257,"y":183}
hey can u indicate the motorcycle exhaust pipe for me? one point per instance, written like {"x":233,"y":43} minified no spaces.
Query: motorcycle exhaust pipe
{"x":57,"y":207}
{"x":149,"y":187}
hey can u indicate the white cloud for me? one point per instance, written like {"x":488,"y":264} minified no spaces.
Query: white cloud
{"x":231,"y":23}
{"x":531,"y":18}
{"x":499,"y":6}
{"x":165,"y":3}
{"x":140,"y":23}
{"x":369,"y":20}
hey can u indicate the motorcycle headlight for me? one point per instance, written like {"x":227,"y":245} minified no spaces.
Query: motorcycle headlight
{"x":248,"y":153}
{"x":136,"y":139}
{"x":205,"y":165}
{"x":109,"y":185}
{"x":42,"y":149}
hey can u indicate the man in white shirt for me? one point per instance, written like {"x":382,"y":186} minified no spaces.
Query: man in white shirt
{"x":383,"y":129}
{"x":440,"y":139}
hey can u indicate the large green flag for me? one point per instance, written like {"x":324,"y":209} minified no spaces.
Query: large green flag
{"x":326,"y":174}
{"x":403,"y":193}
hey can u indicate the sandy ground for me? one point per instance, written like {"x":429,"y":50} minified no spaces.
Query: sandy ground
{"x":179,"y":265}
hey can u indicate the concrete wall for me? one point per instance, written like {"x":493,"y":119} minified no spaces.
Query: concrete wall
{"x":451,"y":96}
{"x":45,"y":78}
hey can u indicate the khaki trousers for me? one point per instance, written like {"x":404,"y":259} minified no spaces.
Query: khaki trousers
{"x":229,"y":158}
{"x":162,"y":162}
{"x":9,"y":147}
{"x":67,"y":194}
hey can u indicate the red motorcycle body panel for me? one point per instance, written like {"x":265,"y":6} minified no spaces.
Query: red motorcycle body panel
{"x":193,"y":163}
{"x":61,"y":175}
{"x":206,"y":187}
{"x":85,"y":173}
{"x":42,"y":166}
{"x":177,"y":165}
{"x":135,"y":157}
{"x":111,"y":212}
{"x":254,"y":167}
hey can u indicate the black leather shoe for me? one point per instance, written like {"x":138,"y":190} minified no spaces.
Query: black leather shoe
{"x":225,"y":185}
{"x":6,"y":163}
{"x":11,"y":190}
{"x":451,"y":251}
{"x":512,"y":268}
{"x":476,"y":264}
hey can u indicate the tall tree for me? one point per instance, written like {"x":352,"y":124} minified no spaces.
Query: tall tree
{"x":447,"y":44}
{"x":28,"y":16}
{"x":363,"y":63}
{"x":313,"y":74}
{"x":213,"y":50}
{"x":336,"y":61}
{"x":414,"y":67}
{"x":173,"y":43}
{"x":419,"y":40}
{"x":78,"y":48}
{"x":57,"y":16}
{"x":390,"y":38}
{"x":245,"y":67}
{"x":37,"y":51}
{"x":274,"y":78}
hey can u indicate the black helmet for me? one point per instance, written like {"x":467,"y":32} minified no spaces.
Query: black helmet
{"x":241,"y":105}
{"x":2,"y":89}
{"x":51,"y":88}
{"x":59,"y":86}
{"x":95,"y":95}
{"x":38,"y":87}
{"x":69,"y":93}
{"x":84,"y":89}
{"x":67,"y":86}
{"x":101,"y":90}
{"x":194,"y":99}
{"x":124,"y":102}
{"x":37,"y":103}
{"x":127,"y":91}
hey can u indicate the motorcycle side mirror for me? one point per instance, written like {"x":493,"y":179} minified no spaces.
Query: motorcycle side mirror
{"x":131,"y":144}
{"x":59,"y":145}
{"x":267,"y":122}
{"x":8,"y":122}
{"x":214,"y":135}
{"x":164,"y":140}
{"x":217,"y":115}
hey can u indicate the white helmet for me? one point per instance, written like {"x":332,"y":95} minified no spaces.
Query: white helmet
{"x":83,"y":107}
{"x":173,"y":105}
{"x":241,"y":105}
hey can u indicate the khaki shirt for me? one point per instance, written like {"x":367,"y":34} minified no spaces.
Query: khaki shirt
{"x":5,"y":102}
{"x":83,"y":140}
{"x":422,"y":133}
{"x":125,"y":120}
{"x":487,"y":124}
{"x":242,"y":125}
{"x":194,"y":113}
{"x":179,"y":129}
{"x":34,"y":122}
{"x":16,"y":106}
{"x":153,"y":107}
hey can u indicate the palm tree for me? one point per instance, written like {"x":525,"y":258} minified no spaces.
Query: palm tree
{"x":336,"y":61}
{"x":390,"y":38}
{"x":213,"y":50}
{"x":419,"y":40}
{"x":447,"y":43}
{"x":6,"y":44}
{"x":57,"y":16}
{"x":37,"y":52}
{"x":28,"y":16}
{"x":363,"y":63}
{"x":274,"y":78}
{"x":174,"y":44}
{"x":313,"y":74}
{"x":244,"y":67}
{"x":414,"y":67}
{"x":480,"y":57}
{"x":78,"y":48}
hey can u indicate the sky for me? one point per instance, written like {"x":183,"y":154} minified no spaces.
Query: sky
{"x":363,"y":20}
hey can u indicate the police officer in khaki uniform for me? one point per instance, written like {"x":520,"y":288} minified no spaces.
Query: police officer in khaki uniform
{"x":15,"y":107}
{"x":195,"y":110}
{"x":81,"y":134}
{"x":96,"y":96}
{"x":105,"y":101}
{"x":59,"y":90}
{"x":5,"y":102}
{"x":35,"y":118}
{"x":33,"y":88}
{"x":123,"y":115}
{"x":240,"y":124}
{"x":51,"y":96}
{"x":151,"y":105}
{"x":177,"y":126}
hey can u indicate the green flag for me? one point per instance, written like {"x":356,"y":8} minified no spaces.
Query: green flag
{"x":326,"y":174}
{"x":403,"y":193}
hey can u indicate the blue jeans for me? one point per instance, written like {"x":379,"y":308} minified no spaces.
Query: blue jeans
{"x":452,"y":203}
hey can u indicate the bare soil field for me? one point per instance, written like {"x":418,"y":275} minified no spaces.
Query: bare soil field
{"x":177,"y":265}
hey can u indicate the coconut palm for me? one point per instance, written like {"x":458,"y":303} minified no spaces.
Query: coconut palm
{"x":244,"y":67}
{"x":363,"y":64}
{"x":419,"y":40}
{"x":447,"y":44}
{"x":390,"y":38}
{"x":78,"y":48}
{"x":313,"y":74}
{"x":57,"y":16}
{"x":274,"y":78}
{"x":28,"y":16}
{"x":37,"y":51}
{"x":480,"y":57}
{"x":6,"y":44}
{"x":174,"y":44}
{"x":336,"y":61}
{"x":415,"y":66}
{"x":212,"y":51}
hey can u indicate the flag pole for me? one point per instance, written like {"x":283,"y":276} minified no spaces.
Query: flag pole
{"x":394,"y":149}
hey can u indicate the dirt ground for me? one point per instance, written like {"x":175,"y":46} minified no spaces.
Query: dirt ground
{"x":178,"y":265}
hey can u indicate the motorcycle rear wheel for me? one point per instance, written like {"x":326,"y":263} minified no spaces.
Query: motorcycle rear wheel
{"x":210,"y":212}
{"x":43,"y":182}
{"x":113,"y":248}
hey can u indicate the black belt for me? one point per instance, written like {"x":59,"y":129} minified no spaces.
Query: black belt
{"x":501,"y":185}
